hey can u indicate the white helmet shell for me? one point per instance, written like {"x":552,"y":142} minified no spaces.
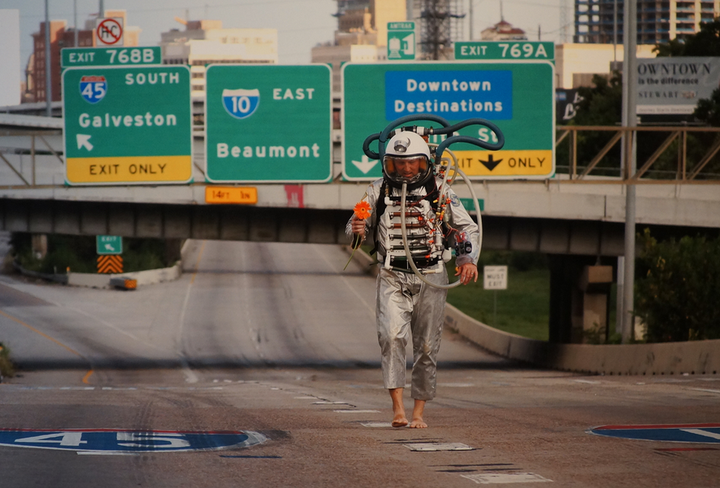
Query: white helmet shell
{"x":407,"y":145}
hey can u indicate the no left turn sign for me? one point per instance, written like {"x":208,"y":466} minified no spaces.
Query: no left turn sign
{"x":109,"y":32}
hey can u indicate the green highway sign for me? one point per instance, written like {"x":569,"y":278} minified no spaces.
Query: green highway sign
{"x":268,"y":123}
{"x":108,"y":245}
{"x":127,"y":125}
{"x":513,"y":50}
{"x":400,"y":41}
{"x":470,"y":206}
{"x":110,"y":56}
{"x":518,"y":97}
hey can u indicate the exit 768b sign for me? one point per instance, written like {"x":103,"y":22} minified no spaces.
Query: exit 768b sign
{"x":127,"y":125}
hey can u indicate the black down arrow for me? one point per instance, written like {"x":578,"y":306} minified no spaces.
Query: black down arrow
{"x":490,"y":164}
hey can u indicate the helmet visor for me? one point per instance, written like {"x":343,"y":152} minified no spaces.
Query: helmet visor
{"x":405,"y":169}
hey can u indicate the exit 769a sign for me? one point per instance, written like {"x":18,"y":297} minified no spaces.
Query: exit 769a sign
{"x":518,"y":97}
{"x":127,"y":125}
{"x":268,"y":123}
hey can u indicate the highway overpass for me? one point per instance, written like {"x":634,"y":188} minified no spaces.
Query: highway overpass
{"x":577,"y":218}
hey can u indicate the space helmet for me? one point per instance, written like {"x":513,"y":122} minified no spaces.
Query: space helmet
{"x":402,"y":151}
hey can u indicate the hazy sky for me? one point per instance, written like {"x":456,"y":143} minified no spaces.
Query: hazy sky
{"x":301,"y":24}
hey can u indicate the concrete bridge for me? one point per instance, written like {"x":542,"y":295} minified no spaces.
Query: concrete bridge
{"x":578,"y":219}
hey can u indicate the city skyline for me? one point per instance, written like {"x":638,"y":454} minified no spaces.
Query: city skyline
{"x":301,"y":24}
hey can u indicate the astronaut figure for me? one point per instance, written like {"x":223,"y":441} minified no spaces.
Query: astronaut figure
{"x":406,"y":306}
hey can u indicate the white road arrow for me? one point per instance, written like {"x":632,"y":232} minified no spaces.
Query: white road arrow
{"x":366,"y":164}
{"x":83,"y":140}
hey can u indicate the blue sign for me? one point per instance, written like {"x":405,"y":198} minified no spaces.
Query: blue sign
{"x":697,"y":433}
{"x":450,"y":94}
{"x":93,"y":88}
{"x":241,"y":103}
{"x":124,"y":441}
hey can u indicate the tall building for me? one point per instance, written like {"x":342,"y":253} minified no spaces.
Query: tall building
{"x":204,"y":42}
{"x":361,"y":35}
{"x":10,"y":57}
{"x":658,"y":20}
{"x":440,"y":25}
{"x":61,"y":37}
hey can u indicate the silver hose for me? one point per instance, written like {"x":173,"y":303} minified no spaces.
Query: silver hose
{"x":403,"y":228}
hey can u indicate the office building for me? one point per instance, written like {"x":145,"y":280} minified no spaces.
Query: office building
{"x":204,"y":42}
{"x":601,"y":21}
{"x":62,"y":37}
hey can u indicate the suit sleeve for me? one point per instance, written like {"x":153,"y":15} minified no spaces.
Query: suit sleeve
{"x":371,"y":196}
{"x":464,"y":224}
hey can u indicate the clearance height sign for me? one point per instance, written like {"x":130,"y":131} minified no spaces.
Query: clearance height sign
{"x":268,"y":123}
{"x":517,"y":96}
{"x":127,"y":125}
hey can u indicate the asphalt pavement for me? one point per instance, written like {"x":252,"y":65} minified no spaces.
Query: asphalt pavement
{"x":260,"y":367}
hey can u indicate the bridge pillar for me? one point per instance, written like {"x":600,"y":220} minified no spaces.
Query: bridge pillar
{"x":39,"y":245}
{"x":579,"y":299}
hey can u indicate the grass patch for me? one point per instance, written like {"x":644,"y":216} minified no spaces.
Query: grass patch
{"x":522,"y":309}
{"x":6,"y":366}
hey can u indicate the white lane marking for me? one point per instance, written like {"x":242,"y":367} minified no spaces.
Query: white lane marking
{"x":589,"y":382}
{"x":376,"y":425}
{"x":331,"y":403}
{"x":705,"y":389}
{"x":305,"y":398}
{"x":456,"y":385}
{"x":106,"y":453}
{"x":703,"y":433}
{"x":438,"y":446}
{"x":190,"y":376}
{"x":350,"y":410}
{"x":504,"y":478}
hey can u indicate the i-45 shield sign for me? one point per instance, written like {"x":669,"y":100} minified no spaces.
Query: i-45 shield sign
{"x":93,"y":88}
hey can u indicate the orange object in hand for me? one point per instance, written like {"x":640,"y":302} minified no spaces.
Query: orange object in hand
{"x":362,"y":210}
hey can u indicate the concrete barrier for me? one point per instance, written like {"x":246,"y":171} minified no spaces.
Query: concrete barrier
{"x":148,"y":277}
{"x":670,"y":358}
{"x":96,"y":280}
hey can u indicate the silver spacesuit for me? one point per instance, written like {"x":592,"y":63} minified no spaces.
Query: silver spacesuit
{"x":405,"y":305}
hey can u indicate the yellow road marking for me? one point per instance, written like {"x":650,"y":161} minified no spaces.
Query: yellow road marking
{"x":41,"y":333}
{"x":87,"y":377}
{"x":49,"y":338}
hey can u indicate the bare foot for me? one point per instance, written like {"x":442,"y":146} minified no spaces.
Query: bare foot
{"x":417,"y":417}
{"x":399,"y":421}
{"x":418,"y":423}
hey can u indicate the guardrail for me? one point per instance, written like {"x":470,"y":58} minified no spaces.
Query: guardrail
{"x":696,"y":158}
{"x":36,"y":137}
{"x":586,"y":154}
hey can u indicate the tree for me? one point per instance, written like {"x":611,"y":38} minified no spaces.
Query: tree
{"x":599,"y":105}
{"x":678,"y":288}
{"x":706,"y":42}
{"x":708,"y":109}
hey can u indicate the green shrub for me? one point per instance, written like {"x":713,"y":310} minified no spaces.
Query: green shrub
{"x":678,"y":288}
{"x":6,"y":366}
{"x":79,"y":254}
